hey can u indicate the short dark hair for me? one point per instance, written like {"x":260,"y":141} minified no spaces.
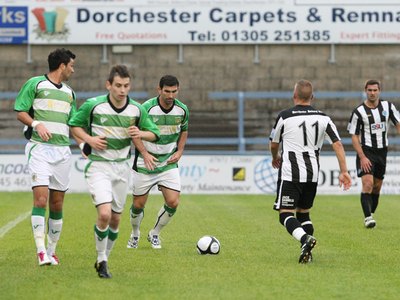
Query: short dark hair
{"x":168,"y":80}
{"x":118,"y":70}
{"x":58,"y":57}
{"x":304,"y":90}
{"x":372,"y":82}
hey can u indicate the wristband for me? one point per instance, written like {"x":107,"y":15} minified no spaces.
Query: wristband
{"x":35,"y":123}
{"x":81,"y":145}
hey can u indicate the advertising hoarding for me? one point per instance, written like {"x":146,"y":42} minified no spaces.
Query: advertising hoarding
{"x":200,"y":22}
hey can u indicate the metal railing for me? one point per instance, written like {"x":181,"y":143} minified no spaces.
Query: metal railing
{"x":240,"y":97}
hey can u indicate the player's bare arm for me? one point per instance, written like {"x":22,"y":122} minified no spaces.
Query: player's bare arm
{"x":276,"y":158}
{"x":96,"y":142}
{"x":136,"y":133}
{"x":79,"y":142}
{"x":364,"y":161}
{"x":181,"y":146}
{"x":149,"y":160}
{"x":344,"y":176}
{"x":26,"y":119}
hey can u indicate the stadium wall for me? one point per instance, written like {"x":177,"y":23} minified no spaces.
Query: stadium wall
{"x":205,"y":68}
{"x":209,"y":68}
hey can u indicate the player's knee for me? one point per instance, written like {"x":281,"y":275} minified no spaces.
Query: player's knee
{"x":284,"y":216}
{"x":139,"y":202}
{"x":104,"y":217}
{"x":173,"y":203}
{"x":367,"y":187}
{"x":377,"y":187}
{"x":40,"y":201}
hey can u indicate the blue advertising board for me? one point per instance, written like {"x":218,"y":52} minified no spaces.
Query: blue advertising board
{"x":13,"y":24}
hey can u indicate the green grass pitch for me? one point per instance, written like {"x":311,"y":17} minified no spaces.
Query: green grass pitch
{"x":258,"y":258}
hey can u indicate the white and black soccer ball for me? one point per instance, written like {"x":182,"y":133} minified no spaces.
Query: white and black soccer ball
{"x":208,"y":245}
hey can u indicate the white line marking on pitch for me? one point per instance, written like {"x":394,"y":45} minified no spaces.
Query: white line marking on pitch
{"x":10,"y":225}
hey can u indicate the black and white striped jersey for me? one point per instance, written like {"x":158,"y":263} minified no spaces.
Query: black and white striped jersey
{"x":302,"y":131}
{"x":372,"y":123}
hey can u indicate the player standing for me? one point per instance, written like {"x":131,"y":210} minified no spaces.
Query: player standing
{"x":107,"y":124}
{"x":368,"y":126}
{"x":302,"y":130}
{"x":44,"y":104}
{"x":161,"y":157}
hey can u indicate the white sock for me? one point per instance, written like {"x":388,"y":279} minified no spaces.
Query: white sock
{"x":136,"y":220}
{"x":163,"y":219}
{"x":298,"y":233}
{"x":53,"y":235}
{"x":38,"y":228}
{"x":101,"y":238}
{"x":112,"y":237}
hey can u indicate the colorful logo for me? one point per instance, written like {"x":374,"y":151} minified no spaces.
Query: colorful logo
{"x":239,"y":174}
{"x":51,"y":24}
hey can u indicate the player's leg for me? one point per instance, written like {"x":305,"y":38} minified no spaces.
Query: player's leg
{"x":366,"y":199}
{"x":101,"y":229}
{"x":168,"y":210}
{"x":367,"y":180}
{"x":287,"y":201}
{"x":304,"y":205}
{"x":113,"y":232}
{"x":142,"y":183}
{"x":376,"y":193}
{"x":304,"y":218}
{"x":38,"y":221}
{"x":97,"y":176}
{"x":55,"y":223}
{"x":60,"y":168}
{"x":120,"y":191}
{"x":136,"y":216}
{"x":305,"y":221}
{"x":379,"y":174}
{"x":40,"y":173}
{"x":101,"y":233}
{"x":170,"y":185}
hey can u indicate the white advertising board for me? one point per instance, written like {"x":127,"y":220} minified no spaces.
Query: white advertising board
{"x":214,"y":174}
{"x":199,"y":22}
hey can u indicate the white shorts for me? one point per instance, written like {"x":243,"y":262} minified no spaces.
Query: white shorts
{"x":142,"y":183}
{"x":108,"y":182}
{"x":49,"y":165}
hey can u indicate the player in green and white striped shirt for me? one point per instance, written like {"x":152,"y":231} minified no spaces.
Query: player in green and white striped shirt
{"x":108,"y":124}
{"x":156,"y":163}
{"x":44,"y":104}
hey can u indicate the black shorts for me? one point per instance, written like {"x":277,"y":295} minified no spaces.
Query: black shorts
{"x":292,"y":195}
{"x":378,"y":161}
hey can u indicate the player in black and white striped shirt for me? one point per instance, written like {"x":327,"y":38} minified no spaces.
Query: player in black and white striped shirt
{"x":368,"y":125}
{"x":302,"y":130}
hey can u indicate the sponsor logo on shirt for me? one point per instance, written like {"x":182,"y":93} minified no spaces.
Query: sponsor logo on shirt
{"x":378,"y":127}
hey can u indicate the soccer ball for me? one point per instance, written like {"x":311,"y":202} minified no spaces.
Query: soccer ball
{"x":208,"y":245}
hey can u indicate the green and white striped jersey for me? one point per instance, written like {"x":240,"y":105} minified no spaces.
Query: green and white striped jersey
{"x":50,"y":104}
{"x":171,"y":123}
{"x":100,"y":118}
